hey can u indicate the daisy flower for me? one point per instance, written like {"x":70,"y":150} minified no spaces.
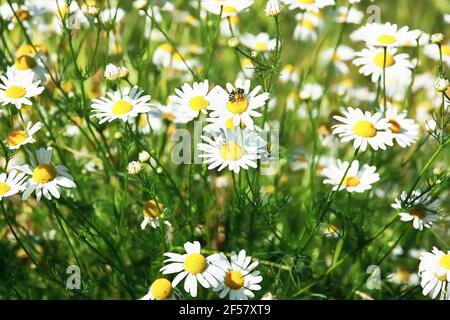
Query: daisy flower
{"x":11,"y":184}
{"x":194,"y":99}
{"x":356,"y":180}
{"x":309,"y":5}
{"x":405,"y":131}
{"x":28,"y":60}
{"x":45,"y":179}
{"x":18,"y":138}
{"x":386,"y":35}
{"x":240,"y":278}
{"x":239,"y":104}
{"x":311,"y":91}
{"x":434,"y":271}
{"x":372,"y":60}
{"x":364,"y":129}
{"x":193,"y":266}
{"x":161,"y":289}
{"x":307,"y":26}
{"x":338,"y":58}
{"x":18,"y":88}
{"x":228,"y":7}
{"x":402,"y":276}
{"x":260,"y":42}
{"x":352,"y":16}
{"x":330,"y":231}
{"x":153,"y":214}
{"x":419,"y":208}
{"x":234,"y":149}
{"x":432,"y":51}
{"x":123,"y":106}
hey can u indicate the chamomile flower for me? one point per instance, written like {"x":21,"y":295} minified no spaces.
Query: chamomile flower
{"x":18,"y":88}
{"x":193,"y":267}
{"x":364,"y":129}
{"x":386,"y":35}
{"x":18,"y":138}
{"x":352,"y":16}
{"x":240,"y":278}
{"x":434,"y":271}
{"x":402,"y":277}
{"x":259,"y":43}
{"x":154,"y":214}
{"x":237,"y":105}
{"x":372,"y":61}
{"x":234,"y":149}
{"x":161,"y":289}
{"x":420,"y":208}
{"x":355,"y":180}
{"x":307,"y":26}
{"x":227,"y":7}
{"x":404,"y":131}
{"x":338,"y":57}
{"x":29,"y":60}
{"x":11,"y":184}
{"x":45,"y":179}
{"x":124,"y":105}
{"x":432,"y":51}
{"x":309,"y":5}
{"x":193,"y":99}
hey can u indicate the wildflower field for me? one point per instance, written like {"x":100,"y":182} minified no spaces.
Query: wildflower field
{"x":224,"y":149}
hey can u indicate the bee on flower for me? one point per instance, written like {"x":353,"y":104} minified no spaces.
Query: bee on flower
{"x":237,"y":104}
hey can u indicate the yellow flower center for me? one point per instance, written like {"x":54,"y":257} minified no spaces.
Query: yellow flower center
{"x":152,"y":209}
{"x":161,"y":289}
{"x":379,"y":60}
{"x":195,"y":263}
{"x":234,"y":280}
{"x":23,"y":14}
{"x":444,"y":261}
{"x":331,"y":229}
{"x":25,"y":50}
{"x":365,"y":129}
{"x":25,"y":63}
{"x":351,"y":181}
{"x":177,"y":57}
{"x":198,"y":103}
{"x":386,"y":39}
{"x":44,"y":173}
{"x":395,"y":126}
{"x":121,"y":107}
{"x":229,"y":9}
{"x":445,"y":50}
{"x":418,"y":213}
{"x":308,"y":24}
{"x":231,"y":151}
{"x":168,"y":116}
{"x":238,"y":106}
{"x":404,"y":275}
{"x":306,"y":1}
{"x":16,"y":137}
{"x":4,"y":188}
{"x":15,"y":92}
{"x":261,"y":46}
